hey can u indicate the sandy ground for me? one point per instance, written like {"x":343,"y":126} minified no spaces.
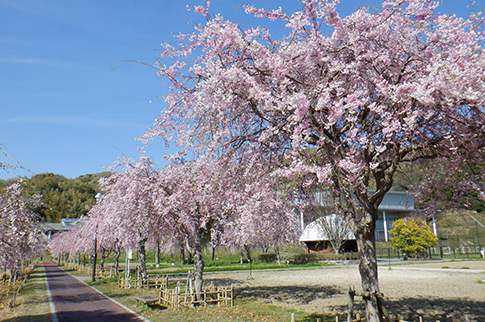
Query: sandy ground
{"x":445,"y":291}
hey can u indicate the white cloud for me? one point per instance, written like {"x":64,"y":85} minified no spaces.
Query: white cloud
{"x":40,"y":61}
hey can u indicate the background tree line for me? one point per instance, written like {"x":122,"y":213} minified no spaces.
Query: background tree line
{"x":61,"y":197}
{"x":71,"y":198}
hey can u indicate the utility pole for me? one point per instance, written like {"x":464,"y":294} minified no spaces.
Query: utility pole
{"x":95,"y":251}
{"x":436,"y":232}
{"x":95,"y":257}
{"x":478,"y":235}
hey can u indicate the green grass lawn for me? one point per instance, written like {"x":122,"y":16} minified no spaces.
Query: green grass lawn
{"x":168,"y":269}
{"x":32,"y":304}
{"x":242,"y":311}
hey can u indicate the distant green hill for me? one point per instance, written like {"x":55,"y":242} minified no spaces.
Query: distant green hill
{"x":62,"y":197}
{"x":460,"y":228}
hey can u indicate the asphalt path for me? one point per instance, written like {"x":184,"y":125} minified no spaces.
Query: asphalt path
{"x":73,"y":300}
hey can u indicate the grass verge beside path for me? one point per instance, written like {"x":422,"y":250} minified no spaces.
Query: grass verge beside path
{"x":166,"y":269}
{"x":242,"y":311}
{"x":32,"y":303}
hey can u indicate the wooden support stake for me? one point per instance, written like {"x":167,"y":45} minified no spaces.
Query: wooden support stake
{"x":350,"y":310}
{"x":382,"y":308}
{"x":178,"y":294}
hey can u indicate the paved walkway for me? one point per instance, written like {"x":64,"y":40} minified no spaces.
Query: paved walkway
{"x":72,"y":300}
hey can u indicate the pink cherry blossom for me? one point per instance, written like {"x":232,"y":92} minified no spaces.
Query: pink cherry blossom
{"x":21,"y":238}
{"x":385,"y":87}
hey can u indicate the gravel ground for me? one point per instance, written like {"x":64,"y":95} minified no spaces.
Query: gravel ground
{"x":445,"y":291}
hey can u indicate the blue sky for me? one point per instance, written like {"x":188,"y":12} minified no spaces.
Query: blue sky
{"x":68,"y":102}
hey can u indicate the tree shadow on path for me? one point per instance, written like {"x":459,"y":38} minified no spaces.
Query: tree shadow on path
{"x":408,"y":309}
{"x":429,"y":309}
{"x":287,"y":294}
{"x":434,"y":309}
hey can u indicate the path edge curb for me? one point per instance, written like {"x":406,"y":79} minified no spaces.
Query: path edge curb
{"x":55,"y":319}
{"x":49,"y":294}
{"x":141,"y":317}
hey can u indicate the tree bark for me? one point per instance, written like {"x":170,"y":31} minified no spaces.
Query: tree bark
{"x":157,"y":253}
{"x":103,"y":258}
{"x":198,"y":264}
{"x":142,"y":257}
{"x":368,"y":271}
{"x":116,"y":263}
{"x":360,"y":213}
{"x":182,"y":255}
{"x":248,"y":252}
{"x":277,"y":251}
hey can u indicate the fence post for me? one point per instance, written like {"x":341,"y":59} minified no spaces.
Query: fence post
{"x":382,"y":308}
{"x":350,"y":310}
{"x":12,"y":301}
{"x":177,"y":297}
{"x":389,"y":257}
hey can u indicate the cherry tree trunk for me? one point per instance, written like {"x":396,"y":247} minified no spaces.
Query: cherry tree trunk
{"x":182,"y":256}
{"x":198,"y":264}
{"x":142,"y":258}
{"x":247,"y":249}
{"x":277,"y":251}
{"x":10,"y":281}
{"x":116,"y":263}
{"x":103,"y":258}
{"x":368,"y":271}
{"x":157,"y":253}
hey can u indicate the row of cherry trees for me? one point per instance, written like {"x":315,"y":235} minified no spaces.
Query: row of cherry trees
{"x":342,"y":100}
{"x":20,"y":236}
{"x":187,"y":204}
